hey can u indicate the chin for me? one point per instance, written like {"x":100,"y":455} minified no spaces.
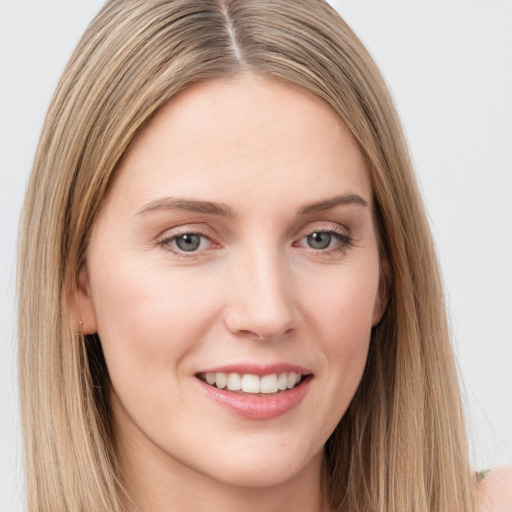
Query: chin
{"x":264,"y":467}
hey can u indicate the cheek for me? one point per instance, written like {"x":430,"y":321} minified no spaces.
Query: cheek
{"x":342,"y":314}
{"x":149,"y":319}
{"x":343,"y":307}
{"x":148,"y":323}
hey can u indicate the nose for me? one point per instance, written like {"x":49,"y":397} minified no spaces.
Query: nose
{"x":262,"y":304}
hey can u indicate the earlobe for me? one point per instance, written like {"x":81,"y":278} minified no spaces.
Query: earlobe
{"x":381,"y":300}
{"x":80,"y":304}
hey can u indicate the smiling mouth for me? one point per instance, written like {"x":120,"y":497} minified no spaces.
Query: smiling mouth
{"x":247,"y":383}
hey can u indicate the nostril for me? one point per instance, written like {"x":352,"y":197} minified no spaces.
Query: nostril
{"x":264,"y":336}
{"x":270,"y":338}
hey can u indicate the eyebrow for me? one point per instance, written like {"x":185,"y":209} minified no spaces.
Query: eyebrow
{"x":329,"y":204}
{"x":222,"y":210}
{"x":189,"y":205}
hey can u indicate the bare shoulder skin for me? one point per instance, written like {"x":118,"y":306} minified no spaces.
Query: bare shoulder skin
{"x":494,"y":491}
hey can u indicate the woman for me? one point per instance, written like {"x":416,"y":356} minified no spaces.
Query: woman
{"x":235,"y":289}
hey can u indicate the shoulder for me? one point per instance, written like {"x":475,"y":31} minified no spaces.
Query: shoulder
{"x":494,"y":491}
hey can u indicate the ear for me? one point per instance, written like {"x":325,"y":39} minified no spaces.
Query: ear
{"x":381,"y":300}
{"x":80,"y":304}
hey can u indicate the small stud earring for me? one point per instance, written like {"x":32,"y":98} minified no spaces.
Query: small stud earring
{"x":78,"y":333}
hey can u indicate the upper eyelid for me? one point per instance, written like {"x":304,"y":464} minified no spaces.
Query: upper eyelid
{"x":302,"y":231}
{"x":175,"y":232}
{"x":323,"y":227}
{"x":327,"y":230}
{"x":212,"y":236}
{"x":334,"y":231}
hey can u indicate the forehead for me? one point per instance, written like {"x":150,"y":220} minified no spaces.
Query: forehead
{"x":252,"y":134}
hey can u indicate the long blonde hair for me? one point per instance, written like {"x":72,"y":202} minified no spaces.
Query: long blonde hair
{"x":401,"y":445}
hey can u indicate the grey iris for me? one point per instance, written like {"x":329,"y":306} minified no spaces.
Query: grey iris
{"x":188,"y":242}
{"x":319,"y":240}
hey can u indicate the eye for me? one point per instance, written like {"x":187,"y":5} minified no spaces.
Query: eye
{"x":320,"y":240}
{"x":326,"y":241}
{"x":189,"y":242}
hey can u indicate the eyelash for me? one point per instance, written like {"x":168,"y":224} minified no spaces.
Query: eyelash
{"x":166,"y":242}
{"x":345,"y":241}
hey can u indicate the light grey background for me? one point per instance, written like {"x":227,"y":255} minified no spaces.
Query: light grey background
{"x":449,"y":66}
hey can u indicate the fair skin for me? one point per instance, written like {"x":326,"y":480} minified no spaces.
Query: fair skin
{"x":237,"y":237}
{"x":494,"y":492}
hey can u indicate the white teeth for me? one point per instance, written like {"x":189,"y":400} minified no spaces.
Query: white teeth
{"x":282,"y":381}
{"x":292,"y":380}
{"x":234,"y":382}
{"x":249,"y":383}
{"x":221,"y":380}
{"x":269,"y":383}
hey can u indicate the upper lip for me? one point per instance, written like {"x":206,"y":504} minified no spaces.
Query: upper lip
{"x":258,"y":369}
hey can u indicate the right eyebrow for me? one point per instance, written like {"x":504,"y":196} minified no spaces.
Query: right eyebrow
{"x":329,"y":204}
{"x":189,"y":205}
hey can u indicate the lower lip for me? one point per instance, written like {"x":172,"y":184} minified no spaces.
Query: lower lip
{"x":258,"y":407}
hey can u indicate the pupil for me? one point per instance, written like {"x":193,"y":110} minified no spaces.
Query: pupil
{"x":188,"y":242}
{"x":319,"y":240}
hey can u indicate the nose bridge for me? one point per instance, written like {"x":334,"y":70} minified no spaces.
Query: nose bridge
{"x":262,"y":304}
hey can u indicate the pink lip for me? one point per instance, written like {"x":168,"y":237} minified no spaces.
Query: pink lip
{"x":258,"y":407}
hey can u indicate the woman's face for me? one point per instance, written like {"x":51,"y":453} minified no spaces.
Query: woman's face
{"x":236,"y":249}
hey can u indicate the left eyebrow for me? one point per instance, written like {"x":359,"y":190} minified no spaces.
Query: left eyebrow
{"x":329,"y":204}
{"x":189,"y":205}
